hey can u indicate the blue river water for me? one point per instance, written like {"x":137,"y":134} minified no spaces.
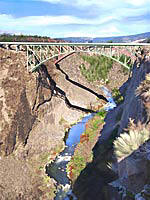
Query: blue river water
{"x":57,"y":169}
{"x":76,"y":131}
{"x":111,"y":103}
{"x":79,"y":128}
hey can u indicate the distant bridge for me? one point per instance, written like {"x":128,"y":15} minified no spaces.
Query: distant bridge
{"x":39,"y":53}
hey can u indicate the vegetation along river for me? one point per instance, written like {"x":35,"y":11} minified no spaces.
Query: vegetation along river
{"x":57,"y":169}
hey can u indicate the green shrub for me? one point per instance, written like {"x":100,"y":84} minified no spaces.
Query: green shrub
{"x":117,"y":96}
{"x":83,"y":153}
{"x":76,"y":165}
{"x":102,"y":114}
{"x":98,"y":69}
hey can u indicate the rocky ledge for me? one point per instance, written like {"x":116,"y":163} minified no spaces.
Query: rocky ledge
{"x":120,"y":165}
{"x":34,"y":118}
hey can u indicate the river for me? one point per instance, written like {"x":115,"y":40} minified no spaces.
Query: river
{"x":57,"y":169}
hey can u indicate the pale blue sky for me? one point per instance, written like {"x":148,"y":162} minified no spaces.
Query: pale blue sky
{"x":67,"y":18}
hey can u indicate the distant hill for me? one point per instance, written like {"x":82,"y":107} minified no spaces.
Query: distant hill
{"x":129,"y":38}
{"x":7,"y":37}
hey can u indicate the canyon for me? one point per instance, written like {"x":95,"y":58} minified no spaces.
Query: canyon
{"x":35,"y":119}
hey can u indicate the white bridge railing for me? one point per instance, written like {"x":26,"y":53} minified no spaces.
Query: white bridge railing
{"x":38,"y":53}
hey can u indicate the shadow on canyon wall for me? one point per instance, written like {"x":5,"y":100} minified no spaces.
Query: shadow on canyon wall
{"x":45,"y":80}
{"x":92,"y":182}
{"x":79,"y":85}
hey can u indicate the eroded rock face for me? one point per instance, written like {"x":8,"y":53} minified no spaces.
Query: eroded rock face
{"x":17,"y":180}
{"x":17,"y":120}
{"x":16,"y":116}
{"x":18,"y":93}
{"x":31,"y":138}
{"x":132,"y":106}
{"x":133,"y":171}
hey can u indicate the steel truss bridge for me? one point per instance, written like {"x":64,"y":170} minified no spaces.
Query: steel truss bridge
{"x":39,"y":53}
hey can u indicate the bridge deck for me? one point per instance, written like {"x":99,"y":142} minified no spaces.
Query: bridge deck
{"x":75,"y":44}
{"x":38,"y":53}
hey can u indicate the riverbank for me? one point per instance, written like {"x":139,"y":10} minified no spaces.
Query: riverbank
{"x":32,"y":137}
{"x":34,"y":120}
{"x":83,"y":152}
{"x":120,"y":155}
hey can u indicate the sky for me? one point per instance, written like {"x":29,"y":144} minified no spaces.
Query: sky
{"x":75,"y":18}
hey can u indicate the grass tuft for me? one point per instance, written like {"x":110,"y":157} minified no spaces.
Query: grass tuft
{"x":129,"y":142}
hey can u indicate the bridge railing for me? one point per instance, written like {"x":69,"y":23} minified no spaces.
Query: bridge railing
{"x":74,"y":44}
{"x":38,"y":53}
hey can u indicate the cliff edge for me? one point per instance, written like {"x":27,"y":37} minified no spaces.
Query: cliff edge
{"x":123,"y":145}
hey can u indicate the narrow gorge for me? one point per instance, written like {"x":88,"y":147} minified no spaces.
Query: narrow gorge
{"x":38,"y":109}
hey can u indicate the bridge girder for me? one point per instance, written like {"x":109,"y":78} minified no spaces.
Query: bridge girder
{"x":38,"y":53}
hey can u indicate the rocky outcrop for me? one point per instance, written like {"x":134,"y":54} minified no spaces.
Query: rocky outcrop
{"x":18,"y":181}
{"x":34,"y":119}
{"x":133,"y":169}
{"x":15,"y":107}
{"x":132,"y":107}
